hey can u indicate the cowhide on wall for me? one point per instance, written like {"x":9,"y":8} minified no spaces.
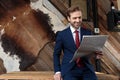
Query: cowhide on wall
{"x":10,"y":45}
{"x":26,"y":30}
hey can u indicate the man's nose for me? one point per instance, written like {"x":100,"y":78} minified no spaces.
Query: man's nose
{"x":77,"y":20}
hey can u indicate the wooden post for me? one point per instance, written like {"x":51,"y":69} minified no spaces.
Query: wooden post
{"x":96,"y":30}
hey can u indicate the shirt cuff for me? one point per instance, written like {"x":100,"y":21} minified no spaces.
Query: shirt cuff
{"x":57,"y":72}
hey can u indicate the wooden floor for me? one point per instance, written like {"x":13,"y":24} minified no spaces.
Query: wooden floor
{"x":45,"y":75}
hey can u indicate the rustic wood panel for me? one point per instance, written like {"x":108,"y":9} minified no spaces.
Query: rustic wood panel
{"x":47,"y":75}
{"x":44,"y":61}
{"x":30,"y":39}
{"x":60,"y":6}
{"x":110,"y":61}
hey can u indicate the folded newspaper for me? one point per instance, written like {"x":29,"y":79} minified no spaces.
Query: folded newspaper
{"x":90,"y":44}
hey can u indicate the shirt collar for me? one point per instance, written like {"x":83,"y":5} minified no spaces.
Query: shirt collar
{"x":73,"y":29}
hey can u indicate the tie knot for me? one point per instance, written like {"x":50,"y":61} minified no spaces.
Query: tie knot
{"x":76,"y":31}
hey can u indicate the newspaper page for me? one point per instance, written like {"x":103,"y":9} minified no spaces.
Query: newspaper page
{"x":90,"y":44}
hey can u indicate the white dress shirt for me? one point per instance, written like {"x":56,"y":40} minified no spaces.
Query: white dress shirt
{"x":73,"y":32}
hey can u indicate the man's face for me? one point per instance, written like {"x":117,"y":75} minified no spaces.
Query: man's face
{"x":75,"y":19}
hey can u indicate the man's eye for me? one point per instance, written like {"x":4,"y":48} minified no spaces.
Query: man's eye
{"x":74,"y":18}
{"x":79,"y":17}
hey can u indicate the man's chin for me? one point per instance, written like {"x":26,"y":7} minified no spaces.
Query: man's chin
{"x":77,"y":26}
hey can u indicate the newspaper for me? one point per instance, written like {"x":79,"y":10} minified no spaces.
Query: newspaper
{"x":90,"y":44}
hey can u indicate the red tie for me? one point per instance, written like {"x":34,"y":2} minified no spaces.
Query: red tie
{"x":77,"y":41}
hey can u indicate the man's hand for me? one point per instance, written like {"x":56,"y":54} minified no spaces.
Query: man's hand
{"x":99,"y":54}
{"x":58,"y":76}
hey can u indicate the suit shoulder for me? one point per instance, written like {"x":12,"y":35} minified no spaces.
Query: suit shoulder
{"x":64,"y":30}
{"x":85,"y":29}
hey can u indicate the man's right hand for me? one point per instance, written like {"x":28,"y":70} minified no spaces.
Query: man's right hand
{"x":57,"y":76}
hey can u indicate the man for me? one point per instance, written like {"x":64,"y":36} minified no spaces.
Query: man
{"x":66,"y":43}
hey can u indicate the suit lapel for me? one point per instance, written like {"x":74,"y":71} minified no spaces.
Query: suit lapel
{"x":70,"y":37}
{"x":82,"y":33}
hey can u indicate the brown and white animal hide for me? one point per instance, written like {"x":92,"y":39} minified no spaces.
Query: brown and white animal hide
{"x":24,"y":33}
{"x":13,"y":56}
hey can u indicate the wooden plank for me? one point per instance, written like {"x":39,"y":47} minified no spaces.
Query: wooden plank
{"x":112,"y":52}
{"x":60,"y":6}
{"x":111,"y":60}
{"x":107,"y":64}
{"x":46,"y":75}
{"x":52,"y":8}
{"x":102,"y":76}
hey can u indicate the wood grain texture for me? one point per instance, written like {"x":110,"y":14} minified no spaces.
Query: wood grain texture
{"x":34,"y":39}
{"x":47,"y":75}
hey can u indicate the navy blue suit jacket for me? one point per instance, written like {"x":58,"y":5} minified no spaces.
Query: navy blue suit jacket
{"x":65,"y":44}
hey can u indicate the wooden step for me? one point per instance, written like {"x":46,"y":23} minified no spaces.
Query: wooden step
{"x":45,"y":75}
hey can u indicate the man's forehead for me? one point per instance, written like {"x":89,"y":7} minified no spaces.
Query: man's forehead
{"x":76,"y":13}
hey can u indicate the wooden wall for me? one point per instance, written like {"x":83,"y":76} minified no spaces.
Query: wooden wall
{"x":111,"y":50}
{"x":110,"y":60}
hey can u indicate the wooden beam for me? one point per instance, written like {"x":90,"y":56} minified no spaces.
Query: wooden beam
{"x":59,"y":5}
{"x":46,"y":75}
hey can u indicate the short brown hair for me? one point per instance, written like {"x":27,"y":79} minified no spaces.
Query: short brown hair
{"x":72,"y":9}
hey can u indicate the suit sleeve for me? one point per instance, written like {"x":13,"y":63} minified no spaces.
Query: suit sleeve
{"x":57,"y":53}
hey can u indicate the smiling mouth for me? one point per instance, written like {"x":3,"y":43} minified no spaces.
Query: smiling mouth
{"x":77,"y":24}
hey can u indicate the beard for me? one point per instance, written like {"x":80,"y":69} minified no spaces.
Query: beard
{"x":76,"y":25}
